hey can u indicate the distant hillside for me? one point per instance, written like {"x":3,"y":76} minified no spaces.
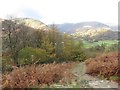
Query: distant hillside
{"x":22,"y":25}
{"x":97,"y":34}
{"x":36,"y":24}
{"x":90,"y":30}
{"x":73,"y":27}
{"x":114,"y":27}
{"x":109,"y":35}
{"x":29,"y":22}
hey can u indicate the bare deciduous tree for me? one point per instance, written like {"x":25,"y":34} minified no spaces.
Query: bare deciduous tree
{"x":15,"y":38}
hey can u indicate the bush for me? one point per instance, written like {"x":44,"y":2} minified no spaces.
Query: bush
{"x":95,"y":51}
{"x":105,"y":65}
{"x":40,"y":75}
{"x":30,"y":55}
{"x":7,"y":62}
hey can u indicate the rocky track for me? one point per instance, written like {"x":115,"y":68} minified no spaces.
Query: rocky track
{"x":87,"y":81}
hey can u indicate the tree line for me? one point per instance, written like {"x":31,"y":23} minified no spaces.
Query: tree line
{"x":25,"y":45}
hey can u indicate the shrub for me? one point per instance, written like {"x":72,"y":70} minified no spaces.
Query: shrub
{"x":44,"y":74}
{"x":7,"y":62}
{"x":105,"y":65}
{"x":30,"y":55}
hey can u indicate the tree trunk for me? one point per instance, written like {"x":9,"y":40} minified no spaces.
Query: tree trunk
{"x":15,"y":58}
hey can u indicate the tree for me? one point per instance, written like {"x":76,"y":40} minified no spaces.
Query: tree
{"x":56,"y":38}
{"x":36,"y":38}
{"x":15,"y":38}
{"x":47,"y":45}
{"x":73,"y":49}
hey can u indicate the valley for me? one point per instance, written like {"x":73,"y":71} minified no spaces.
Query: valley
{"x":36,"y":55}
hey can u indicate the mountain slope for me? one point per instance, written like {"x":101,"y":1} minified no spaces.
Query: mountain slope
{"x":28,"y":22}
{"x":36,"y":24}
{"x":97,"y":34}
{"x":90,"y":30}
{"x":72,"y":28}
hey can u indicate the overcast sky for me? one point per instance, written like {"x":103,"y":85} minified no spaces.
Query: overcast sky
{"x":62,"y":11}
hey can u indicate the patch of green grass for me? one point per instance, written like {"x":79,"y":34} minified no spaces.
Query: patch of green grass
{"x":93,"y":44}
{"x":115,"y":78}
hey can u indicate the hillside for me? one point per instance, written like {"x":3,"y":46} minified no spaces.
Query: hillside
{"x":97,"y":34}
{"x":28,"y":22}
{"x":22,"y":24}
{"x":90,"y":30}
{"x":86,"y":30}
{"x":73,"y":27}
{"x":109,"y":35}
{"x":36,"y":24}
{"x":32,"y":58}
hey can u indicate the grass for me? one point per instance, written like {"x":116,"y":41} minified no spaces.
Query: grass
{"x":93,"y":44}
{"x":115,"y":78}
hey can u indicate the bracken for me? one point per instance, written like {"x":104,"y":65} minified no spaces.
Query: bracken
{"x":105,"y":65}
{"x":37,"y":75}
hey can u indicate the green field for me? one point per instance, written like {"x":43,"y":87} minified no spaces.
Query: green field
{"x":106,"y":42}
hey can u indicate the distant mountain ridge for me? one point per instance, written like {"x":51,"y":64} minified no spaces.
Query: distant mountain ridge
{"x":72,"y":27}
{"x":114,"y":27}
{"x":90,"y":30}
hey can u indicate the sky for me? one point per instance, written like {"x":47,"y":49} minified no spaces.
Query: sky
{"x":62,"y":11}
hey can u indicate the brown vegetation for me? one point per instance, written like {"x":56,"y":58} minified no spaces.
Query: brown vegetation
{"x":37,"y":75}
{"x":105,"y":65}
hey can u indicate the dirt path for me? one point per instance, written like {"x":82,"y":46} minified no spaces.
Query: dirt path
{"x":87,"y":81}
